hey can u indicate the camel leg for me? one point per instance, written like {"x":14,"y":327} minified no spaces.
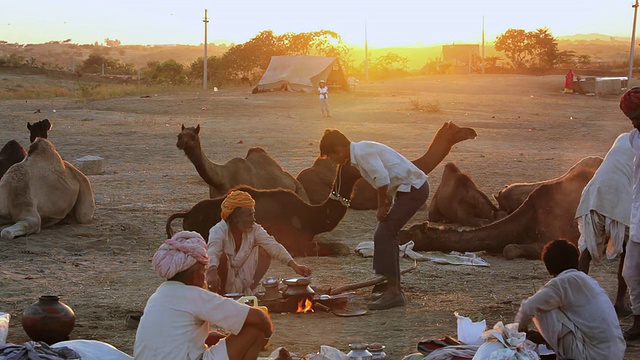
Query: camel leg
{"x":17,"y":229}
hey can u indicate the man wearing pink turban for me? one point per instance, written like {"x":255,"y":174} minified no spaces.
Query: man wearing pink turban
{"x":177,"y":316}
{"x":240,"y":251}
{"x":630,"y":106}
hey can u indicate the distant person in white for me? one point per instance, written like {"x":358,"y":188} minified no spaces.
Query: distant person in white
{"x":572,"y":312}
{"x":323,"y":92}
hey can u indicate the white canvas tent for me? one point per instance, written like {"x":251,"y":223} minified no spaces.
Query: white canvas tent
{"x":301,"y":73}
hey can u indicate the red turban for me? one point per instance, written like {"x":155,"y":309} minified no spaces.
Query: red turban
{"x":630,"y":103}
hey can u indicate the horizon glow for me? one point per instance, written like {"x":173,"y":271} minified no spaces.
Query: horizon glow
{"x":388,"y":23}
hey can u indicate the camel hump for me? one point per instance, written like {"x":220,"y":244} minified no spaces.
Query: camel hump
{"x":257,"y":149}
{"x":180,"y":215}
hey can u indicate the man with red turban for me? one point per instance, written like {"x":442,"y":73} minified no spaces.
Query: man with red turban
{"x":240,"y":251}
{"x":177,"y":316}
{"x":630,"y":106}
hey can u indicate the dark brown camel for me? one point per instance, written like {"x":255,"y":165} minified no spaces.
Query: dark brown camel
{"x":257,"y":169}
{"x":512,"y":196}
{"x":287,"y":217}
{"x":316,"y":178}
{"x":39,"y":129}
{"x":458,"y":200}
{"x":547,"y":214}
{"x":12,"y":153}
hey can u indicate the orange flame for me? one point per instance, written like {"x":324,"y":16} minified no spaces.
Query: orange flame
{"x":305,"y":306}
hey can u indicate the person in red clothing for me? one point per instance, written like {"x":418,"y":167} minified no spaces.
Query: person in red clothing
{"x":568,"y":82}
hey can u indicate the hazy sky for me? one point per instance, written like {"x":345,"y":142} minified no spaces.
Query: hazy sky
{"x":395,"y":22}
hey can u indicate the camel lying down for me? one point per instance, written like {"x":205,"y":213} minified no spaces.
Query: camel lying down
{"x":41,"y":191}
{"x":512,"y":196}
{"x":547,"y":214}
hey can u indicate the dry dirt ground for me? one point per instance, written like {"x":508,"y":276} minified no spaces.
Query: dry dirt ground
{"x":527,"y":131}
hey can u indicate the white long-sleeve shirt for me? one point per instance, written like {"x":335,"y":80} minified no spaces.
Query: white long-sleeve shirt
{"x":380,"y":165}
{"x":581,"y":307}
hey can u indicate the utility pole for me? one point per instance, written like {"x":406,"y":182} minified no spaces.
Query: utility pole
{"x":483,"y":45}
{"x":366,"y":52}
{"x":204,"y":76}
{"x":633,"y":40}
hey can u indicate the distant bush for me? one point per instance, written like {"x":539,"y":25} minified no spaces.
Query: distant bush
{"x":169,"y":72}
{"x":12,"y":60}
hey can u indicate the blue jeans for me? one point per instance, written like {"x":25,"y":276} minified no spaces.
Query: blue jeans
{"x":386,"y":253}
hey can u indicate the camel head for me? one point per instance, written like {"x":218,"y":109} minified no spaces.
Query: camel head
{"x":189,"y":137}
{"x":39,"y":129}
{"x":452,"y":134}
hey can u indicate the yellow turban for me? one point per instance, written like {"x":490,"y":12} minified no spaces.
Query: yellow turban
{"x":236,"y":199}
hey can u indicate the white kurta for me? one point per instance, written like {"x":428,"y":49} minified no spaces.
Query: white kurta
{"x":176,"y":321}
{"x":242,"y":264}
{"x":380,"y":165}
{"x":576,"y":318}
{"x":609,"y":194}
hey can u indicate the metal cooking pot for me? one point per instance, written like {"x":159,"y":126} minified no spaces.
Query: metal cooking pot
{"x":297,"y":287}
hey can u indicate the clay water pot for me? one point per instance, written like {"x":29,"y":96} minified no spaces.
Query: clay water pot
{"x":48,"y":319}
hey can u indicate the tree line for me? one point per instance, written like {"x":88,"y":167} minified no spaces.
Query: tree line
{"x":524,"y":51}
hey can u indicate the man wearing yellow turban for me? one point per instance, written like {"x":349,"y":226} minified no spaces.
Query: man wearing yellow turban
{"x":240,"y":251}
{"x":177,"y":316}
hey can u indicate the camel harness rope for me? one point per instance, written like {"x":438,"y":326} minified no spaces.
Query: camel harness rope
{"x":335,"y":192}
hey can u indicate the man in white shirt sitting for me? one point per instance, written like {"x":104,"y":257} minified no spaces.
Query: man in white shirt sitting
{"x":572,"y":312}
{"x":402,"y":190}
{"x":176,"y":318}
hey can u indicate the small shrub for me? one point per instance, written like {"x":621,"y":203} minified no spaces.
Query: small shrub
{"x":431,"y":107}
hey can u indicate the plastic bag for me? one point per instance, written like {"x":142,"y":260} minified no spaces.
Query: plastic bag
{"x":506,"y":343}
{"x":470,"y":332}
{"x":4,"y":326}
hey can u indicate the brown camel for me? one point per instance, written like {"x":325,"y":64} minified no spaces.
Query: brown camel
{"x":458,"y":200}
{"x":287,"y":217}
{"x":547,"y":214}
{"x":316,"y":178}
{"x":257,"y":169}
{"x":512,"y":196}
{"x":12,"y":153}
{"x":41,"y":191}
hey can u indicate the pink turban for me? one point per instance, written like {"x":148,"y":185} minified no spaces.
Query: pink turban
{"x":630,"y":103}
{"x":180,"y":253}
{"x":234,"y":200}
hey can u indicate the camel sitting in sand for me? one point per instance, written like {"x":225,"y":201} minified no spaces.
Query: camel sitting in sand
{"x":291,"y":220}
{"x":547,"y":214}
{"x":257,"y":169}
{"x":39,"y":129}
{"x":13,"y":152}
{"x":41,"y":191}
{"x":317,"y":179}
{"x":458,"y":200}
{"x":512,"y":196}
